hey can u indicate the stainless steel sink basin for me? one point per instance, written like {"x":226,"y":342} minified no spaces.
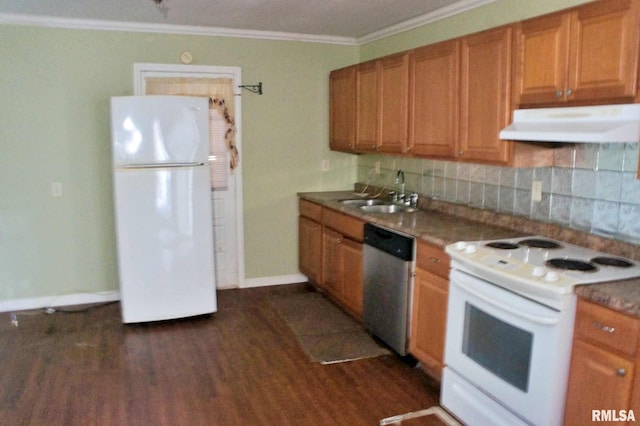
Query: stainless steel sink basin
{"x":364,"y":202}
{"x":388,"y":208}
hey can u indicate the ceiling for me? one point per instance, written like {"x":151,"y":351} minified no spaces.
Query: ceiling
{"x":346,"y":19}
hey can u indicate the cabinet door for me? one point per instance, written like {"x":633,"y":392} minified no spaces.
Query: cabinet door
{"x":393,"y":103}
{"x":485,"y":96}
{"x":353,"y":276}
{"x":342,"y":109}
{"x":603,"y":59}
{"x":598,"y":380}
{"x":332,"y":265}
{"x":428,"y":320}
{"x":541,"y":60}
{"x":434,"y":82}
{"x":587,"y":54}
{"x":367,"y":106}
{"x":310,"y":249}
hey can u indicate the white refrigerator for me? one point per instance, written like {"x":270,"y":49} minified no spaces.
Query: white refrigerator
{"x":162,"y":199}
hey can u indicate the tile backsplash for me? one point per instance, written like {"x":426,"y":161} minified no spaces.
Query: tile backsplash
{"x":590,"y":187}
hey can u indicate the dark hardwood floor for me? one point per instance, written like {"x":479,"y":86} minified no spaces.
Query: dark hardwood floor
{"x":240,"y":366}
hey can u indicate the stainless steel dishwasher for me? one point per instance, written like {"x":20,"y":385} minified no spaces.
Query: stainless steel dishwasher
{"x":388,"y":273}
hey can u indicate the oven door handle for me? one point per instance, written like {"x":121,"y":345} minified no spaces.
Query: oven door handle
{"x":533,"y":318}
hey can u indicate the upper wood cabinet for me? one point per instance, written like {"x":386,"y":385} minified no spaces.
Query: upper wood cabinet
{"x":450,"y":100}
{"x":485,"y":96}
{"x":434,"y":88}
{"x":342,"y":109}
{"x":587,"y":54}
{"x":394,"y":103}
{"x":367,"y":106}
{"x":382,"y":89}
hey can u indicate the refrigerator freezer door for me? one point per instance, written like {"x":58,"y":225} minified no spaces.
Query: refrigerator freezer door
{"x":159,"y":129}
{"x":165,"y":243}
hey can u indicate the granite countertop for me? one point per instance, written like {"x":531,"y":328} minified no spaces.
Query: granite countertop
{"x":441,"y":226}
{"x":437,"y":228}
{"x":621,"y":296}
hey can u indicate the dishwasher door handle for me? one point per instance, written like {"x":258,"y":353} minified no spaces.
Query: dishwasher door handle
{"x":383,"y":234}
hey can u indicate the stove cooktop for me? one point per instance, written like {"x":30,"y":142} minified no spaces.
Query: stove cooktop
{"x":539,"y":267}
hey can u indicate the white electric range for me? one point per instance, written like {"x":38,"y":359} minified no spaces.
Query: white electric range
{"x":511,"y":313}
{"x":540,"y":268}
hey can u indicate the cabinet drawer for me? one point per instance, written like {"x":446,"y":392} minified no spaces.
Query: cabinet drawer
{"x":432,"y":259}
{"x":613,"y":329}
{"x":311,"y":210}
{"x":346,"y":225}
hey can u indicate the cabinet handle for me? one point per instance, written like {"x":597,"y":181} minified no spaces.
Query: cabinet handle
{"x":621,"y":372}
{"x":569,"y":92}
{"x":603,"y":327}
{"x":434,"y":260}
{"x":558,"y":93}
{"x":460,"y":153}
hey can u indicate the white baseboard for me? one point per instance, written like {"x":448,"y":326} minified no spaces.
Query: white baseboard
{"x":112,"y":296}
{"x":54,"y":301}
{"x":277,"y":280}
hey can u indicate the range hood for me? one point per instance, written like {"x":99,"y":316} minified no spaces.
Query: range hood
{"x":590,"y":124}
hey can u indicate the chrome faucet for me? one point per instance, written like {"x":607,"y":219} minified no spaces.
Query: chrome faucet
{"x":400,"y":180}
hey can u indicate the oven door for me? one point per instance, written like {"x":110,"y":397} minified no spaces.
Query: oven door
{"x":509,"y":348}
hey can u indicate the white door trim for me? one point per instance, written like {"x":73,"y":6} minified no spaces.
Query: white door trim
{"x":195,"y":71}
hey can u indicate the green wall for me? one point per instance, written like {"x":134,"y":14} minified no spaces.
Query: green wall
{"x":54,"y":126}
{"x":55,"y":86}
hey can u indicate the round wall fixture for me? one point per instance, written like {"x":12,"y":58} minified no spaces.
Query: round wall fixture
{"x":186,"y":57}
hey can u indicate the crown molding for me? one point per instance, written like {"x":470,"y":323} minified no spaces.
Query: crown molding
{"x":89,"y":24}
{"x":428,"y":18}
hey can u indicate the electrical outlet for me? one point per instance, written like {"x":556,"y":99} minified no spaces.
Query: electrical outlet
{"x":536,"y":191}
{"x":376,"y":167}
{"x":326,"y":166}
{"x":56,"y":189}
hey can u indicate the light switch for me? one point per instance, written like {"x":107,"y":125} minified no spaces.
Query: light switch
{"x":56,"y":189}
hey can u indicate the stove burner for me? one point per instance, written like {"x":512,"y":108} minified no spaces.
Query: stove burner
{"x":571,"y":264}
{"x":539,"y":243}
{"x":502,"y":245}
{"x":612,"y":261}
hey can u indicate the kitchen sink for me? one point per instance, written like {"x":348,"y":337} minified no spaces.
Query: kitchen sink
{"x":388,"y":208}
{"x":364,"y":202}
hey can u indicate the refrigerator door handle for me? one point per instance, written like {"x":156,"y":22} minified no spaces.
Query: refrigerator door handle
{"x":161,"y":165}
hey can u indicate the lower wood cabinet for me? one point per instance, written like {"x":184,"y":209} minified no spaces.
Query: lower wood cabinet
{"x":429,"y":309}
{"x":330,"y":254}
{"x":600,"y":380}
{"x":332,"y":262}
{"x":310,"y":248}
{"x":353,"y":275}
{"x":310,"y":240}
{"x":604,"y":365}
{"x":342,"y":273}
